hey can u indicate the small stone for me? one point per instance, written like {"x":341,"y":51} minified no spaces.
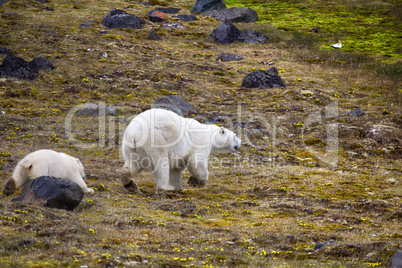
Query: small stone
{"x":224,"y":56}
{"x":88,"y":23}
{"x":172,"y":25}
{"x":263,"y":79}
{"x":120,"y":19}
{"x":97,"y":110}
{"x":153,"y":35}
{"x":168,"y":10}
{"x":322,"y":244}
{"x":185,"y":17}
{"x":205,"y":5}
{"x":356,"y":112}
{"x":226,"y":33}
{"x":156,"y":16}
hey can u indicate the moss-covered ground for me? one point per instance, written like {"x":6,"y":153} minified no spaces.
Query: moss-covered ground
{"x":306,"y":173}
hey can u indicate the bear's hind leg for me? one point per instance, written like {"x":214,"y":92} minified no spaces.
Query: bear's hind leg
{"x":127,"y":181}
{"x":160,"y":168}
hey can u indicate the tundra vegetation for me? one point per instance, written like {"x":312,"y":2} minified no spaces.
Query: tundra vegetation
{"x":270,"y":205}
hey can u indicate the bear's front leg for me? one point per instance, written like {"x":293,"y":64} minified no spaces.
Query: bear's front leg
{"x":199,"y":171}
{"x":175,"y":179}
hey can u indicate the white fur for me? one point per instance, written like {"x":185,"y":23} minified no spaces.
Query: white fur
{"x":166,"y":143}
{"x":49,"y":163}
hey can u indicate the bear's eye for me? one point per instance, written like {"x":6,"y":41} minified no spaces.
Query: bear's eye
{"x":223,"y":132}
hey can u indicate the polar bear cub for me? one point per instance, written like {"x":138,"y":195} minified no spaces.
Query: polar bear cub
{"x":166,"y":143}
{"x":47,"y":163}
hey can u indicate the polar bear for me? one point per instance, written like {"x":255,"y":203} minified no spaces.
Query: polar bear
{"x":166,"y":143}
{"x":47,"y":163}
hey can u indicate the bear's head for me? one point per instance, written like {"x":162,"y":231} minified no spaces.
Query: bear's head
{"x":225,"y":141}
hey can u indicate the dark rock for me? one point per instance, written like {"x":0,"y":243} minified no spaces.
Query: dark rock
{"x":234,"y":14}
{"x":156,"y":16}
{"x":322,"y":244}
{"x":48,"y":9}
{"x":41,"y":1}
{"x":263,"y":79}
{"x":51,"y":192}
{"x":356,"y":112}
{"x":88,"y":23}
{"x":186,"y":17}
{"x":120,"y":19}
{"x":2,"y":2}
{"x":168,"y":10}
{"x":8,"y":167}
{"x":40,"y":63}
{"x":16,"y":67}
{"x":316,"y":30}
{"x":4,"y":51}
{"x":205,"y":5}
{"x":96,"y":110}
{"x":153,"y":35}
{"x":173,"y":103}
{"x":172,"y":25}
{"x":396,"y":260}
{"x":224,"y":56}
{"x":252,"y":37}
{"x":226,"y":33}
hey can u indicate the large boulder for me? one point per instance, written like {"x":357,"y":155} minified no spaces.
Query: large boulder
{"x":263,"y":79}
{"x":233,"y":14}
{"x":205,"y":5}
{"x":120,"y":19}
{"x":51,"y":192}
{"x":173,"y":103}
{"x":226,"y":33}
{"x":13,"y":66}
{"x":252,"y":37}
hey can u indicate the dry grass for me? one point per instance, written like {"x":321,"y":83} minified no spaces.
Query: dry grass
{"x":265,"y":207}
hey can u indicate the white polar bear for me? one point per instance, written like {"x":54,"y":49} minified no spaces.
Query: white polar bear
{"x":166,"y":143}
{"x":47,"y":163}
